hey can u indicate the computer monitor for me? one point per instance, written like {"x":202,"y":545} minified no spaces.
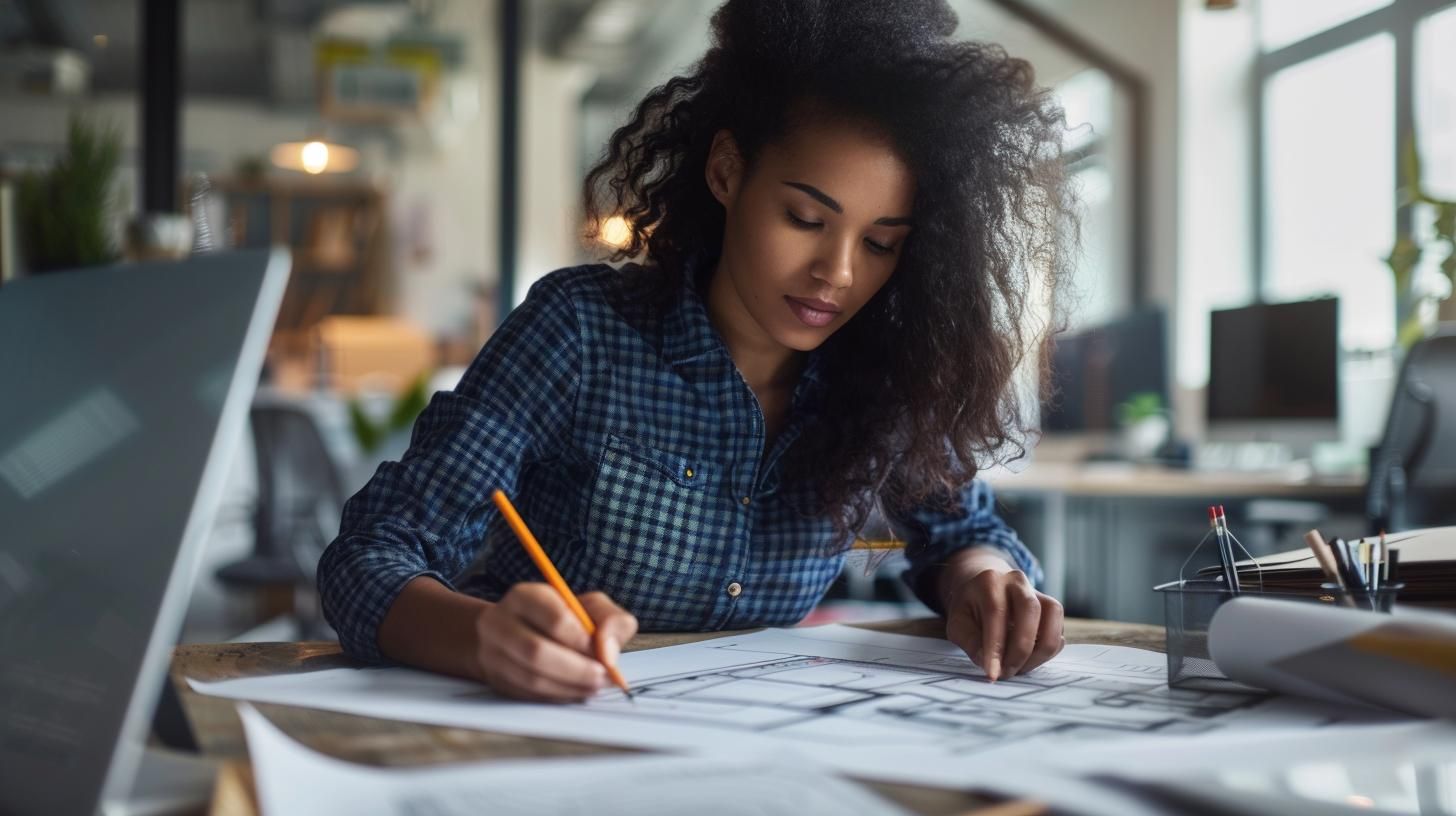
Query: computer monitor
{"x":126,"y":391}
{"x":1097,"y":369}
{"x":1273,"y":373}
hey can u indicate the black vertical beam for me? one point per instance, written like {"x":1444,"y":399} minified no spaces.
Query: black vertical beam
{"x":1405,"y":110}
{"x":510,"y":152}
{"x":161,"y":87}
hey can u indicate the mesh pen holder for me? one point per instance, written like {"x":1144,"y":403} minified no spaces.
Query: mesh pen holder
{"x":1189,"y":605}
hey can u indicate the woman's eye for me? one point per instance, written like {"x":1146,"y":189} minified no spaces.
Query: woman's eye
{"x":801,"y":223}
{"x":878,"y":248}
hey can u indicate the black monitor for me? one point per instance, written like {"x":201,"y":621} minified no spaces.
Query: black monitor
{"x":1097,"y":369}
{"x":1274,"y":371}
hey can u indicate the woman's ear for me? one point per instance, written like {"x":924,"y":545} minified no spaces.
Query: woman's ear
{"x":724,"y":172}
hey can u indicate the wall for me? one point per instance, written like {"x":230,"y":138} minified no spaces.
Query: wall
{"x":1216,"y":195}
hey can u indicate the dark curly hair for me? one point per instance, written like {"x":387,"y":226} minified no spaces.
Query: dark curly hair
{"x":920,"y":384}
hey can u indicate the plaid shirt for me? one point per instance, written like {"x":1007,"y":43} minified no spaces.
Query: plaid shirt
{"x":633,"y":448}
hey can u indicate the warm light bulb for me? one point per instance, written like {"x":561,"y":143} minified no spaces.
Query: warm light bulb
{"x":615,"y":231}
{"x":315,"y":157}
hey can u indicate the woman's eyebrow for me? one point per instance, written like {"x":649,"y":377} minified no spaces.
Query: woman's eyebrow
{"x":823,"y":198}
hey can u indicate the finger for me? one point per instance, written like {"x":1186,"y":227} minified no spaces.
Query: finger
{"x":543,"y":609}
{"x":615,"y":625}
{"x":521,"y":682}
{"x":1050,"y":637}
{"x":990,"y":600}
{"x":549,"y":659}
{"x":1025,"y":622}
{"x":964,"y":630}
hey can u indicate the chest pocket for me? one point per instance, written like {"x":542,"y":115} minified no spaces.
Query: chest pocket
{"x":649,"y":534}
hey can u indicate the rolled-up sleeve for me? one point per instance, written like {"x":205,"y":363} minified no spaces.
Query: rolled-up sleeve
{"x":425,"y":514}
{"x":932,"y":535}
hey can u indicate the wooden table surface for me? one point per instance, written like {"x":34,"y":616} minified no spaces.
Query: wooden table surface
{"x":373,"y":741}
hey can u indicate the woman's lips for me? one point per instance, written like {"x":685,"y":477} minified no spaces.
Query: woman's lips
{"x":813,"y":313}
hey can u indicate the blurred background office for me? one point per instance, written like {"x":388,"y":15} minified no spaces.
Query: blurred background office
{"x":1267,"y":237}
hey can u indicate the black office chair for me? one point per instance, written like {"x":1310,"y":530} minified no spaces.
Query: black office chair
{"x":300,"y":499}
{"x":1413,"y":469}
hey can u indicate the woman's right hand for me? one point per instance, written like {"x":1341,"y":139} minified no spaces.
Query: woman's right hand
{"x":530,"y":646}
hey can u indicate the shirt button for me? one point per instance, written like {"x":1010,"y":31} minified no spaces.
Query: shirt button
{"x":747,"y":501}
{"x":735,"y":589}
{"x":688,"y":473}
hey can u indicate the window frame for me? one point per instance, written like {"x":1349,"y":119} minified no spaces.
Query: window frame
{"x":1400,"y":19}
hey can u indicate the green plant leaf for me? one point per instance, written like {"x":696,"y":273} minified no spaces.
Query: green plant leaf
{"x":411,"y":402}
{"x":366,"y":432}
{"x":1410,"y":166}
{"x":1410,"y":331}
{"x":1402,"y":259}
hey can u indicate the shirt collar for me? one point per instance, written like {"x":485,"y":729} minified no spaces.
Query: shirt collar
{"x":689,"y":333}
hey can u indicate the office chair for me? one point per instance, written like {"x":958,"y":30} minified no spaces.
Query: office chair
{"x":300,"y":499}
{"x":1413,"y":469}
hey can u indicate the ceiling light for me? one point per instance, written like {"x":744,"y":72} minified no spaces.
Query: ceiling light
{"x":315,"y":157}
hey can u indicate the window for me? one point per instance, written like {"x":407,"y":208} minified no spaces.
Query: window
{"x":1344,"y":84}
{"x":1329,"y":184}
{"x":1283,"y":22}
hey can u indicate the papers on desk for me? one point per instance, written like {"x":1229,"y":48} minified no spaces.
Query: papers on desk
{"x":868,"y":704}
{"x":292,"y":779}
{"x":1427,"y":568}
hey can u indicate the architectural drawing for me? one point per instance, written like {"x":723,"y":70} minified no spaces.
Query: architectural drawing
{"x":867,"y":704}
{"x":946,"y":701}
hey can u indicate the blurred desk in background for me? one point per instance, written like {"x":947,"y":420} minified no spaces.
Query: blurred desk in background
{"x":1107,"y":532}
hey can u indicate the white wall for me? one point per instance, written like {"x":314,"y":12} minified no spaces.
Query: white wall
{"x":1216,"y":196}
{"x":550,"y":225}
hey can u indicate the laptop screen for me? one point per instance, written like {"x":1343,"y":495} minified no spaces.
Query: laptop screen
{"x":125,"y":390}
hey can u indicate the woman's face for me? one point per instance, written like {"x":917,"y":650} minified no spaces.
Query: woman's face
{"x":811,"y":234}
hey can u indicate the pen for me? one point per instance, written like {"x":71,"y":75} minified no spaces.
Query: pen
{"x":538,"y":555}
{"x":1225,"y":549}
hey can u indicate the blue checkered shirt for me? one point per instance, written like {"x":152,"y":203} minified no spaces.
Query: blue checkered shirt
{"x":633,"y":448}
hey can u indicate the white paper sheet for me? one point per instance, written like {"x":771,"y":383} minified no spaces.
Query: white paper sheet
{"x":293,"y":779}
{"x":1405,"y":662}
{"x":869,"y":704}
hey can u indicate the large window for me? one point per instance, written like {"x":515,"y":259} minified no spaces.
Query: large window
{"x":1343,"y":91}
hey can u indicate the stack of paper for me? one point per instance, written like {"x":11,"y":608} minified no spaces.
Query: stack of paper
{"x":1427,"y":568}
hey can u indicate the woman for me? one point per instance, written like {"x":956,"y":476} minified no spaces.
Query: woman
{"x":838,"y":211}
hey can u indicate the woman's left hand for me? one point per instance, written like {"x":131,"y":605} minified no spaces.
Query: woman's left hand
{"x":993,"y":612}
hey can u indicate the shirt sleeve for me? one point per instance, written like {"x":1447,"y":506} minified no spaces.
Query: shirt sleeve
{"x":425,"y":514}
{"x":932,"y":535}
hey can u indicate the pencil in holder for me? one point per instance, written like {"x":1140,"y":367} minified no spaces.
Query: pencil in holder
{"x":1188,"y":607}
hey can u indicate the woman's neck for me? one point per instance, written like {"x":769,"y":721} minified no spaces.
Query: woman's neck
{"x":764,"y":363}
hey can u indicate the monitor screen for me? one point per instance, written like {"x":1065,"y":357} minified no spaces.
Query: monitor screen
{"x":1096,"y":370}
{"x":1274,"y":361}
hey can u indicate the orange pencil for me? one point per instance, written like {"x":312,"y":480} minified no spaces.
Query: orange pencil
{"x":533,"y":548}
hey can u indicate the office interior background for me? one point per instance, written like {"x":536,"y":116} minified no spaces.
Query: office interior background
{"x":1266,"y":237}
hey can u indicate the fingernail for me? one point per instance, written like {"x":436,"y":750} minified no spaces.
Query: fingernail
{"x":993,"y":669}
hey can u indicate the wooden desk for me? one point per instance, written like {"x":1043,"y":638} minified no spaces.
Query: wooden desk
{"x":386,"y":742}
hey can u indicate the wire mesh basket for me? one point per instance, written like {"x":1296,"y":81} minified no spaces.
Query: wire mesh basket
{"x":1190,"y":603}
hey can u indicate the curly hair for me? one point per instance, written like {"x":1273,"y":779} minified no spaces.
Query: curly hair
{"x":920,"y":385}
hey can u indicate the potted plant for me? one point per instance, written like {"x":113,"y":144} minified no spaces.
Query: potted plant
{"x":1421,"y":299}
{"x":65,"y":213}
{"x":1144,"y":423}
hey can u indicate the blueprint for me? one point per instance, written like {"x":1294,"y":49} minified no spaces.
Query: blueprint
{"x":865,"y":703}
